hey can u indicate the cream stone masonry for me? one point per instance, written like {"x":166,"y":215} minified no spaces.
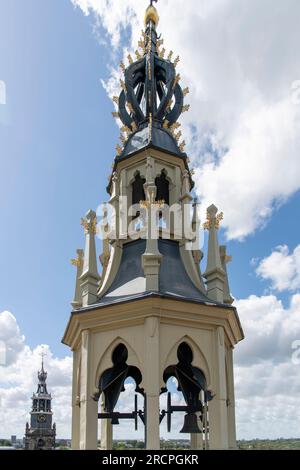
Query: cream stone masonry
{"x":214,"y":274}
{"x":150,"y":316}
{"x":78,"y":262}
{"x":89,"y":277}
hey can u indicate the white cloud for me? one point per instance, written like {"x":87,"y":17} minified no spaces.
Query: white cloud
{"x":282,"y":268}
{"x":267,"y":379}
{"x":244,"y":126}
{"x":12,"y":341}
{"x":18,"y":380}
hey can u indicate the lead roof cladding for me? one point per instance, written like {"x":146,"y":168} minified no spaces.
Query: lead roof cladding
{"x":173,"y":278}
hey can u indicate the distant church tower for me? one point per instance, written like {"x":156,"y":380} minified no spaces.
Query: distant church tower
{"x":152,"y":314}
{"x":40,"y":435}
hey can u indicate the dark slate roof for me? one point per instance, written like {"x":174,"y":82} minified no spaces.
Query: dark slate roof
{"x":161,"y":139}
{"x":130,"y":282}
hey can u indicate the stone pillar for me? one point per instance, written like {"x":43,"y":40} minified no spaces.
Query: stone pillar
{"x":90,"y":277}
{"x":217,"y":409}
{"x":88,"y":406}
{"x":214,"y":273}
{"x":225,"y":259}
{"x":151,"y":259}
{"x":115,"y":204}
{"x":78,"y":262}
{"x":231,"y":401}
{"x":197,"y":440}
{"x":106,"y":431}
{"x":75,"y":403}
{"x":152,"y":383}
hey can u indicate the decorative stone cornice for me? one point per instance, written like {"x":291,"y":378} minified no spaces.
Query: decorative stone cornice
{"x":175,"y":312}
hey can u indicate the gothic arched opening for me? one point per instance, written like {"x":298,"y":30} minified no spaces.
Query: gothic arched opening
{"x":192,"y":388}
{"x":163,"y":188}
{"x":138,"y":193}
{"x":113,"y":383}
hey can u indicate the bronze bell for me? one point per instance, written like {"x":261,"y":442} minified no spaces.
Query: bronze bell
{"x":190,"y":425}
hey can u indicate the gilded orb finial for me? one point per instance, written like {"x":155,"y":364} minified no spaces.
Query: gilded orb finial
{"x":151,"y":14}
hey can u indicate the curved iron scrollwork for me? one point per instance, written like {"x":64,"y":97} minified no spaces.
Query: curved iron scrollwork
{"x":151,"y":97}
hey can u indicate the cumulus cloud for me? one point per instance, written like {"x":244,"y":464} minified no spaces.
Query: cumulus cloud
{"x":241,"y":63}
{"x":267,"y":379}
{"x":282,"y":268}
{"x":18,"y":380}
{"x":11,"y":339}
{"x":270,"y":329}
{"x":267,"y":376}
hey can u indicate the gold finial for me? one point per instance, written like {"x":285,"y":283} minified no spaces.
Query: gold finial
{"x":151,"y":15}
{"x":123,"y":138}
{"x":126,"y":129}
{"x":170,"y":55}
{"x":182,"y":146}
{"x":142,"y":45}
{"x":130,"y":59}
{"x":79,"y":260}
{"x":119,"y":150}
{"x":146,"y":204}
{"x":116,"y":99}
{"x":122,"y":66}
{"x":122,"y":83}
{"x":75,"y":262}
{"x":115,"y":114}
{"x":138,"y":55}
{"x":176,"y":125}
{"x":166,"y":124}
{"x":162,"y":53}
{"x":89,"y":226}
{"x":186,"y":91}
{"x":213,"y":219}
{"x":176,"y":61}
{"x":178,"y":135}
{"x":186,"y":108}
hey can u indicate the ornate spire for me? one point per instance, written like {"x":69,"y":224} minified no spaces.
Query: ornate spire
{"x":225,"y":259}
{"x":151,"y":99}
{"x":78,"y":263}
{"x":90,"y":277}
{"x":214,"y":274}
{"x":42,"y":376}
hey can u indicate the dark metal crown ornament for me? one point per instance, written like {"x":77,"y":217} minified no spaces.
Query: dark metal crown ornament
{"x":151,"y":99}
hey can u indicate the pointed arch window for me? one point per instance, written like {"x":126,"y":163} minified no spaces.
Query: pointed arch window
{"x":163,"y":188}
{"x":138,"y":193}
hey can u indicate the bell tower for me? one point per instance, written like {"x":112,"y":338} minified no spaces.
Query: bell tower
{"x":40,"y":435}
{"x":152,"y":315}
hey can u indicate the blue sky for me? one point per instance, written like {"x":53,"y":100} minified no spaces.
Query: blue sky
{"x":57,"y":143}
{"x":56,"y":147}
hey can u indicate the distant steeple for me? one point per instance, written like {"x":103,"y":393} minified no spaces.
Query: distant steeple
{"x":40,"y":434}
{"x":42,"y":376}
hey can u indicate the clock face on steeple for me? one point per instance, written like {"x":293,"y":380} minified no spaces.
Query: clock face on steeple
{"x":41,"y":419}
